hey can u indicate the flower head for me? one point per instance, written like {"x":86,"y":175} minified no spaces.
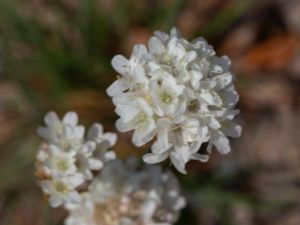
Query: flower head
{"x":62,"y":190}
{"x":66,"y":159}
{"x":65,"y":133}
{"x":123,"y":193}
{"x":59,"y":162}
{"x":180,"y":94}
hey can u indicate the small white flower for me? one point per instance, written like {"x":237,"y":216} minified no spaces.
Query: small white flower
{"x":165,"y":95}
{"x":137,"y":116}
{"x":104,"y":142}
{"x":179,"y":93}
{"x":131,"y":71}
{"x":61,"y":190}
{"x":59,"y":162}
{"x":66,"y":133}
{"x":85,"y":160}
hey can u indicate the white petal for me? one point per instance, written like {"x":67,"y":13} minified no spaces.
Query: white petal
{"x":223,"y":81}
{"x":153,"y":158}
{"x":181,"y":203}
{"x":156,"y":46}
{"x":196,"y":146}
{"x":209,"y":147}
{"x":175,"y":32}
{"x":200,"y":157}
{"x":139,"y":50}
{"x":220,"y":64}
{"x":231,"y":129}
{"x":231,"y":114}
{"x":229,"y":97}
{"x":76,"y":180}
{"x":51,"y":119}
{"x":214,"y":123}
{"x":89,"y":147}
{"x":117,"y":87}
{"x":88,"y":174}
{"x":42,"y":155}
{"x":127,"y":112}
{"x":79,"y":131}
{"x":54,"y":150}
{"x":110,"y":137}
{"x":139,"y":74}
{"x":142,"y":136}
{"x":55,"y":201}
{"x":122,"y":126}
{"x":190,"y":56}
{"x":203,"y":132}
{"x":175,"y":49}
{"x":110,"y":155}
{"x":120,"y":64}
{"x":95,"y":131}
{"x":209,"y":98}
{"x":178,"y":162}
{"x":221,"y":143}
{"x":125,"y":99}
{"x":147,"y":210}
{"x":74,"y":198}
{"x":71,"y":118}
{"x":95,"y":164}
{"x":162,"y":36}
{"x":196,"y":76}
{"x":162,"y":143}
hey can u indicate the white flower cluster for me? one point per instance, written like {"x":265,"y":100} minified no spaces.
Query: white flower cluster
{"x":178,"y":92}
{"x":67,"y":158}
{"x":124,"y":194}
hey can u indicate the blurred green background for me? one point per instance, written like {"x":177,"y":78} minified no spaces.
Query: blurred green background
{"x":55,"y":55}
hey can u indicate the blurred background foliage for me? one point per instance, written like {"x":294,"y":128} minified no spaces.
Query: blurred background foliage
{"x":55,"y":55}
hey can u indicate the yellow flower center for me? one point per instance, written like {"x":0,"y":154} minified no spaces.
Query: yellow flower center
{"x":141,"y":118}
{"x":61,"y":188}
{"x":148,"y":99}
{"x":62,"y":165}
{"x":166,"y":98}
{"x":166,"y":59}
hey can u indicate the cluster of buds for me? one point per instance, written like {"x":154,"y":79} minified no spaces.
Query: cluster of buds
{"x":178,"y":93}
{"x":126,"y":194}
{"x":66,"y":158}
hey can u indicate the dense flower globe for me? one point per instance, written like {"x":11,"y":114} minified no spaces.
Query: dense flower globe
{"x":66,"y":158}
{"x":126,"y":194}
{"x":178,"y":93}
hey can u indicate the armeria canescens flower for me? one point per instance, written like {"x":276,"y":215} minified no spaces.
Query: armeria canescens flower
{"x":126,"y":194}
{"x":66,"y":158}
{"x":180,"y":94}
